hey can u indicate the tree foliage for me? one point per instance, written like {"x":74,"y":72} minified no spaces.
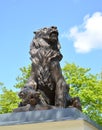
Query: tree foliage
{"x":88,"y":87}
{"x":22,"y":79}
{"x":8,"y":100}
{"x":82,"y":83}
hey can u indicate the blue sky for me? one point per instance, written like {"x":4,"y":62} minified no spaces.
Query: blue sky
{"x":80,"y":32}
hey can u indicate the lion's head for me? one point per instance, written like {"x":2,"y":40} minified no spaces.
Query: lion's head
{"x":49,"y":34}
{"x":29,"y":95}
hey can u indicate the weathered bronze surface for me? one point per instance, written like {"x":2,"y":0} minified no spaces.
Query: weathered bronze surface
{"x":46,"y":87}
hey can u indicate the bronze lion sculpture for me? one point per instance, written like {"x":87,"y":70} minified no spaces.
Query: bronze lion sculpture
{"x":46,"y":76}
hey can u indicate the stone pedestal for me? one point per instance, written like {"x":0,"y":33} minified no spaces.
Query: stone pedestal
{"x":58,"y":119}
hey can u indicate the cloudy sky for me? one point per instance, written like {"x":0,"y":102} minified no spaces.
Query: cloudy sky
{"x":80,"y":32}
{"x":88,"y":35}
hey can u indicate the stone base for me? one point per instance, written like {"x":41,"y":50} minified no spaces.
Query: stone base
{"x":59,"y":125}
{"x":55,"y":119}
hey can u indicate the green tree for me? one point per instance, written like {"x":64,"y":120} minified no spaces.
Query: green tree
{"x":8,"y":100}
{"x":88,"y":87}
{"x":23,"y":77}
{"x":1,"y":84}
{"x":82,"y":83}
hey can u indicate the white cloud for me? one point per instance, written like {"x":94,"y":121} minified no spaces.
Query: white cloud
{"x":88,"y":35}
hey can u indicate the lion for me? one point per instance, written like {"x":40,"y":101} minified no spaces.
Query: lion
{"x":31,"y":101}
{"x":46,"y":75}
{"x":46,"y":87}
